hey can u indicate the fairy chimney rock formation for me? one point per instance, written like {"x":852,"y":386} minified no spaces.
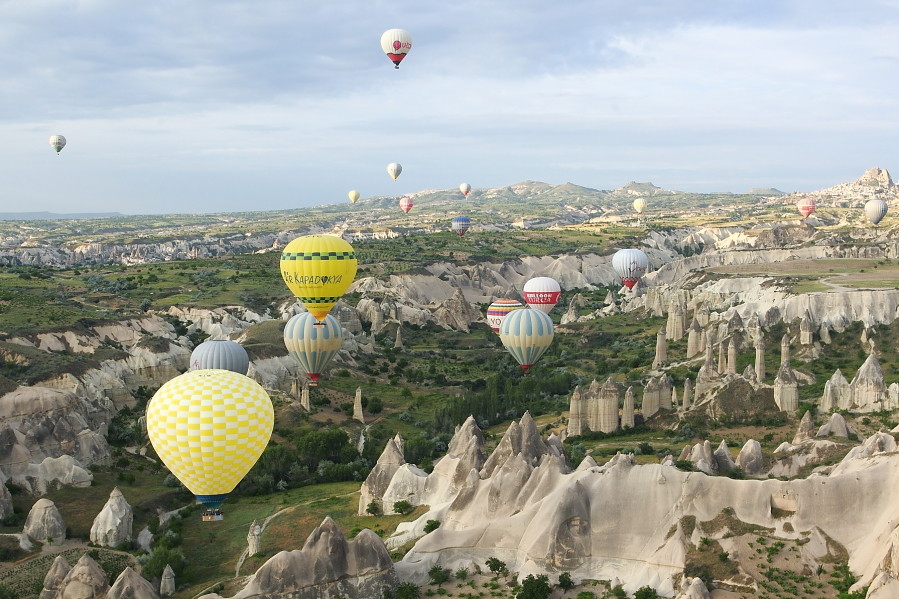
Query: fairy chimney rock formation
{"x":254,"y":539}
{"x":520,"y":440}
{"x":327,"y":566}
{"x":666,"y":391}
{"x":703,"y":315}
{"x":786,"y":389}
{"x":867,"y":388}
{"x":754,"y":328}
{"x":722,"y":358}
{"x":608,"y":406}
{"x":112,"y":526}
{"x":571,"y":314}
{"x":357,"y":406}
{"x":731,"y":357}
{"x":44,"y":523}
{"x":85,"y":580}
{"x":167,"y":584}
{"x":55,"y":576}
{"x":806,"y":330}
{"x":687,"y":398}
{"x":398,"y":343}
{"x":661,"y":357}
{"x":650,"y":398}
{"x":760,"y":359}
{"x":379,"y":478}
{"x":627,"y":412}
{"x":806,"y":429}
{"x":576,"y":412}
{"x":695,"y":339}
{"x":304,"y":397}
{"x":129,"y":585}
{"x":751,"y":459}
{"x":785,"y":349}
{"x":836,"y":427}
{"x":674,"y":327}
{"x":611,"y":298}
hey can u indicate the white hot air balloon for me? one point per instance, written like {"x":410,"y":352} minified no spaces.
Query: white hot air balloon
{"x":394,"y":169}
{"x":223,"y":354}
{"x":396,"y":43}
{"x":639,"y":205}
{"x":630,"y":264}
{"x":353,"y":195}
{"x":542,"y":293}
{"x":57,"y":142}
{"x":526,"y":334}
{"x":465,"y":188}
{"x":875,"y":210}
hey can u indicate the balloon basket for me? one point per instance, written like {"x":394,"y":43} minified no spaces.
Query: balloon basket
{"x":214,"y":515}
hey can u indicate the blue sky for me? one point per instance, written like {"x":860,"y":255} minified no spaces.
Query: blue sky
{"x":205,"y":106}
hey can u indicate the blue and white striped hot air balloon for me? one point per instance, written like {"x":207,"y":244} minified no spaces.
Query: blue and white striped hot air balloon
{"x":526,"y":334}
{"x":221,"y":354}
{"x":313,"y":345}
{"x":875,"y":210}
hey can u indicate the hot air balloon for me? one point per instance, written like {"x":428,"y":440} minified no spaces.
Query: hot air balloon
{"x":875,"y":210}
{"x":498,"y":310}
{"x":209,"y":427}
{"x":460,"y":225}
{"x":526,"y":334}
{"x":313,"y":346}
{"x":630,"y":265}
{"x":394,"y":170}
{"x":318,"y":269}
{"x":396,"y":43}
{"x":542,"y":293}
{"x":353,"y":195}
{"x":465,"y":188}
{"x":639,"y":205}
{"x":222,"y":354}
{"x":806,"y":206}
{"x":57,"y":142}
{"x":406,"y":204}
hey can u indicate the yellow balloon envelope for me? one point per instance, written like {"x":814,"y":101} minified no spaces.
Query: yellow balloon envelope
{"x":209,"y":427}
{"x":318,"y":269}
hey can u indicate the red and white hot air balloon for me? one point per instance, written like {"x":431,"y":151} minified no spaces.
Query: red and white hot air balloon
{"x":396,"y":43}
{"x":465,"y":188}
{"x":542,"y":293}
{"x":806,"y":206}
{"x":630,"y":264}
{"x":406,"y":204}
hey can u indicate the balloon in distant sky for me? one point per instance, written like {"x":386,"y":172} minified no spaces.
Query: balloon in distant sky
{"x":806,"y":206}
{"x":465,"y":188}
{"x":396,"y":43}
{"x":209,"y":427}
{"x":406,"y":204}
{"x":313,"y":346}
{"x":542,"y":293}
{"x":630,"y":265}
{"x":318,"y":269}
{"x":639,"y":205}
{"x":57,"y":142}
{"x":394,"y":170}
{"x":526,"y":334}
{"x":875,"y":210}
{"x":498,"y":310}
{"x":460,"y":225}
{"x":222,"y":354}
{"x":353,"y":195}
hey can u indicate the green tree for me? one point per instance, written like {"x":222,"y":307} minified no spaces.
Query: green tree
{"x":439,"y":575}
{"x":431,"y":525}
{"x":408,"y":590}
{"x":373,"y":508}
{"x":497,"y":566}
{"x":535,"y":587}
{"x":158,"y":560}
{"x":646,"y":593}
{"x":565,"y":582}
{"x":403,"y":507}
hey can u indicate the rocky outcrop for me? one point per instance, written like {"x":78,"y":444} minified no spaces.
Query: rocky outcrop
{"x":112,"y":526}
{"x":167,"y":584}
{"x":327,"y":566}
{"x":806,"y":429}
{"x":86,"y":580}
{"x":130,"y":585}
{"x":55,"y":576}
{"x":44,"y":523}
{"x":379,"y":478}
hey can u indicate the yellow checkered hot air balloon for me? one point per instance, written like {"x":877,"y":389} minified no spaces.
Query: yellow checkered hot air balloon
{"x":318,"y":269}
{"x":209,"y":427}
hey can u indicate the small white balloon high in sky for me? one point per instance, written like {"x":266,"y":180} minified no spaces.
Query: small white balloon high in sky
{"x":396,"y":43}
{"x":57,"y":142}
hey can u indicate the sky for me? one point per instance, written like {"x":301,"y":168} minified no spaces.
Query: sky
{"x":199,"y":106}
